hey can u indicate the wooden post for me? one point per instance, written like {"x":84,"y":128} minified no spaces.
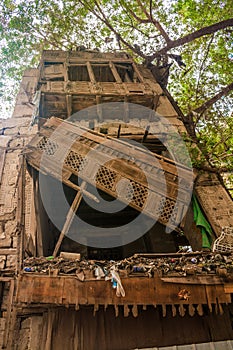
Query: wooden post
{"x":69,"y":105}
{"x":91,"y":73}
{"x":115,"y":73}
{"x":119,"y":131}
{"x":146,"y":133}
{"x":69,"y":218}
{"x":21,"y":214}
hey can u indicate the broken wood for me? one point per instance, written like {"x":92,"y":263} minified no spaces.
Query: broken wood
{"x":69,"y":218}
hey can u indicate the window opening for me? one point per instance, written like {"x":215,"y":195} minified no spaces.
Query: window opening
{"x":127,"y":73}
{"x":78,"y":73}
{"x":103,"y":73}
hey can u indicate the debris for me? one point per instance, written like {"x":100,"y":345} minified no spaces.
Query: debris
{"x":184,"y":294}
{"x":70,"y":256}
{"x":140,"y":266}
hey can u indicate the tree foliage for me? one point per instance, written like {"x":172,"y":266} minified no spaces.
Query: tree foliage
{"x":192,"y":38}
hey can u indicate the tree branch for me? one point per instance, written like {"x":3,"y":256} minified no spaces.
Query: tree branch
{"x":151,"y":19}
{"x":215,"y":170}
{"x":214,"y":99}
{"x":109,"y":25}
{"x":140,"y":20}
{"x":202,"y":64}
{"x":192,"y":36}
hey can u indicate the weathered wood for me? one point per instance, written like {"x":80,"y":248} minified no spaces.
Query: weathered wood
{"x":21,"y":212}
{"x":39,"y":233}
{"x":69,"y":218}
{"x":215,"y":201}
{"x":139,"y":291}
{"x":207,"y":280}
{"x":122,"y":161}
{"x":115,"y":73}
{"x":228,"y":288}
{"x":69,"y":105}
{"x":91,"y":73}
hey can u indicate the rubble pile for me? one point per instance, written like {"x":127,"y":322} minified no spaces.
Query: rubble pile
{"x":137,"y":265}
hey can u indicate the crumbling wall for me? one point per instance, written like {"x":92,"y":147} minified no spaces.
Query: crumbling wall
{"x":15,"y":133}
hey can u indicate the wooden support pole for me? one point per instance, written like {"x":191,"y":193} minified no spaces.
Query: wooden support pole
{"x":21,"y":214}
{"x":140,"y":77}
{"x":119,"y":131}
{"x":69,"y":105}
{"x":115,"y":72}
{"x":91,"y":73}
{"x":69,"y":218}
{"x":146,"y":133}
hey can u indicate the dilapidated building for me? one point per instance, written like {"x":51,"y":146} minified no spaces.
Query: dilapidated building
{"x":60,"y":288}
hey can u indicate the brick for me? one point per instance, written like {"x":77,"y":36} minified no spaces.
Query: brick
{"x":2,"y":235}
{"x":2,"y":261}
{"x":11,"y":261}
{"x":15,"y":242}
{"x":5,"y":243}
{"x":10,"y":227}
{"x":26,"y":323}
{"x":2,"y":324}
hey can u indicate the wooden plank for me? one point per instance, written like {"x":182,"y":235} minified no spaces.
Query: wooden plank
{"x":207,"y":280}
{"x":167,"y":164}
{"x":139,"y":291}
{"x":215,"y":202}
{"x":228,"y":287}
{"x":21,"y":211}
{"x":69,"y":218}
{"x":91,"y":73}
{"x":129,"y":162}
{"x":8,"y":251}
{"x":69,"y":105}
{"x":115,"y":72}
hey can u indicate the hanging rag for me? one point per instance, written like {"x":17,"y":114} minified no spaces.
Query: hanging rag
{"x":115,"y":276}
{"x":202,"y":223}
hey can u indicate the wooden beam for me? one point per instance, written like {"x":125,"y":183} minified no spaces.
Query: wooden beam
{"x":140,"y":77}
{"x":115,"y":72}
{"x":69,"y":218}
{"x":119,"y":131}
{"x":91,"y":73}
{"x":65,"y":71}
{"x":69,"y":105}
{"x":39,"y":243}
{"x":21,"y":211}
{"x":77,"y":188}
{"x":146,"y":133}
{"x":45,"y":289}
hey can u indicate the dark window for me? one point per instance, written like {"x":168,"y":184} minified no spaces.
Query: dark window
{"x":78,"y":73}
{"x":127,"y":73}
{"x":103,"y":73}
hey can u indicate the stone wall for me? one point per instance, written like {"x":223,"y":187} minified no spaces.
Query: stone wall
{"x":15,"y":133}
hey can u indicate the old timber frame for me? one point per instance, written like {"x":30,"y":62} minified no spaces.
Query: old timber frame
{"x":58,"y":293}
